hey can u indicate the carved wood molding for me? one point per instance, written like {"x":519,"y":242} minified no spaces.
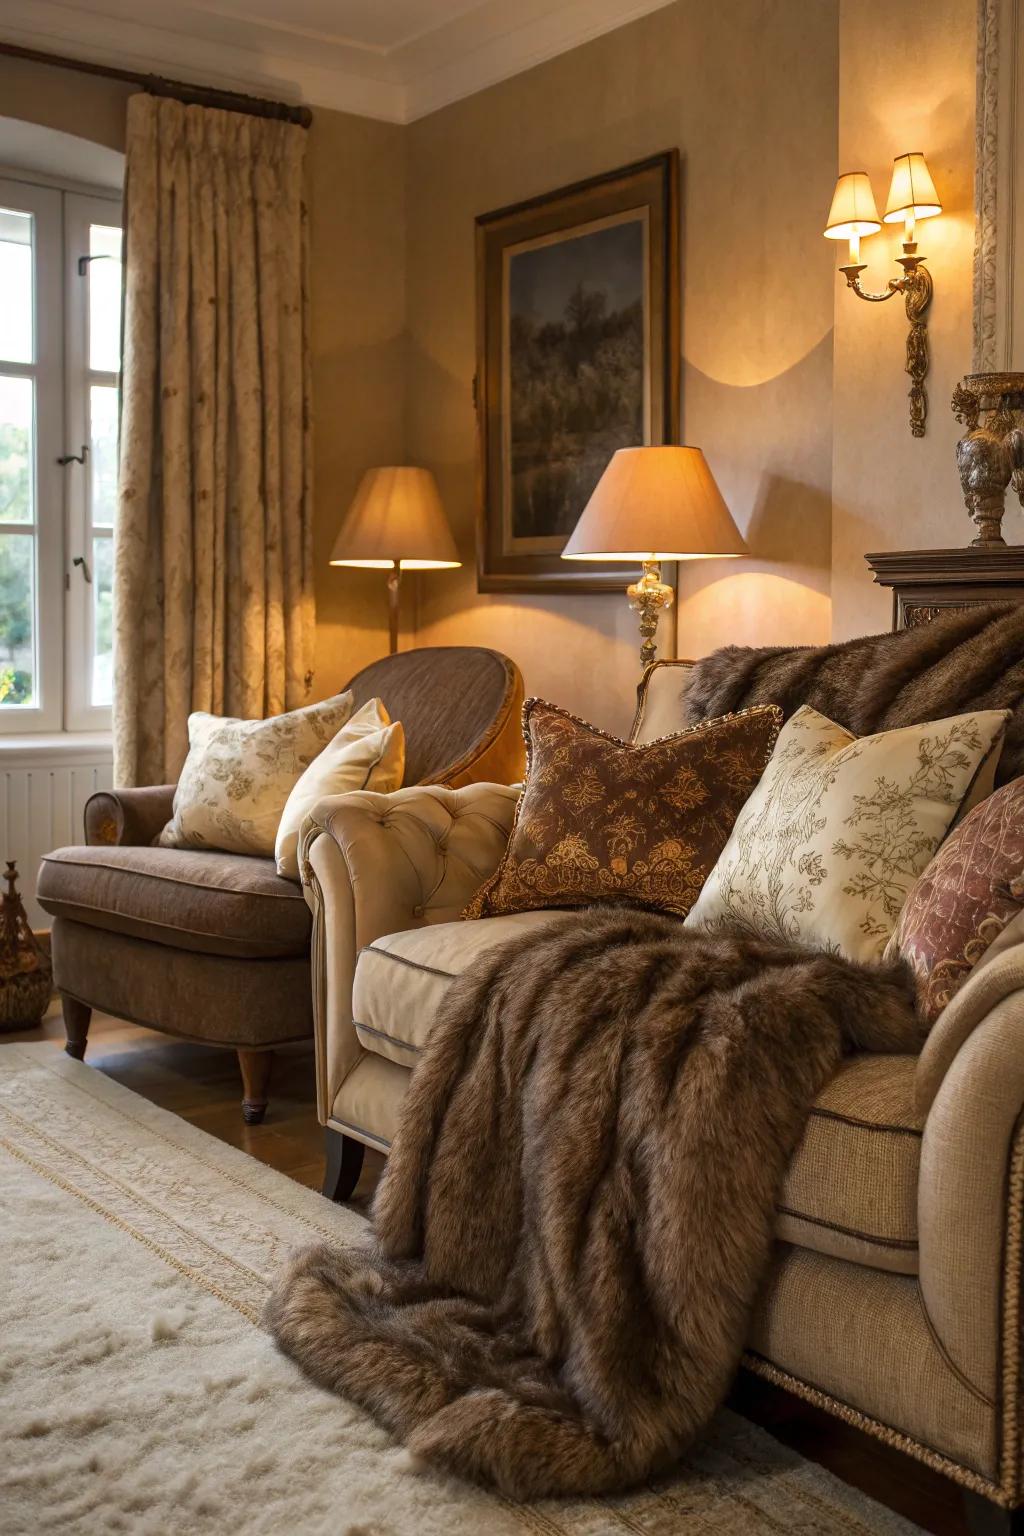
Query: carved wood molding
{"x":986,"y":189}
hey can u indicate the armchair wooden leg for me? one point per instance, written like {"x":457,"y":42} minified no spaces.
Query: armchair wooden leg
{"x":76,"y":1025}
{"x":987,"y":1519}
{"x":344,"y":1164}
{"x":255,"y":1067}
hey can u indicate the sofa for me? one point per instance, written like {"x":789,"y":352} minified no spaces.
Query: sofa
{"x":215,"y":947}
{"x":893,"y":1299}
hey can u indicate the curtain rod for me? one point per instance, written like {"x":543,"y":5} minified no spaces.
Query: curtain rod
{"x":181,"y":90}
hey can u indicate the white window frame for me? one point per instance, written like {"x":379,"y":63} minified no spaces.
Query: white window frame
{"x":47,"y":372}
{"x":63,"y":619}
{"x":80,"y":714}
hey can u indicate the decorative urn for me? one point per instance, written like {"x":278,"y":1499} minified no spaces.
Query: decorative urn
{"x":26,"y":976}
{"x":990,"y":455}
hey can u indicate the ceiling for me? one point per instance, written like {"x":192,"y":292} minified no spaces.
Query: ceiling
{"x":390,"y":59}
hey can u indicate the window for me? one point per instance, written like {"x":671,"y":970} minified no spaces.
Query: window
{"x":60,"y":339}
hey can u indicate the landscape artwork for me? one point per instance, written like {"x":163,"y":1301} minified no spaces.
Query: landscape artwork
{"x":577,"y":356}
{"x":576,"y":377}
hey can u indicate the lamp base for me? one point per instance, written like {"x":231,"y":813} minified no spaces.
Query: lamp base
{"x":394,"y":591}
{"x":649,"y":597}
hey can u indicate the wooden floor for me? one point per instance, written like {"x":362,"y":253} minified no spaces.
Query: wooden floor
{"x":203,"y":1087}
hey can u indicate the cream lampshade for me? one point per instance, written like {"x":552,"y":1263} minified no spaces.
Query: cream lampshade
{"x":396,"y":523}
{"x":912,"y":193}
{"x":655,"y":504}
{"x":853,"y":212}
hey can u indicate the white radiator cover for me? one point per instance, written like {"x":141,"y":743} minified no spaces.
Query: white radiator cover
{"x":43,"y":789}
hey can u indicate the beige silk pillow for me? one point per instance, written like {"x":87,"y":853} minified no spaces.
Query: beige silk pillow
{"x":826,"y":850}
{"x":367,"y":753}
{"x":239,"y":773}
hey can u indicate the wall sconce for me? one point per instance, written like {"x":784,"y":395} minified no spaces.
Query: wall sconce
{"x":912,"y":196}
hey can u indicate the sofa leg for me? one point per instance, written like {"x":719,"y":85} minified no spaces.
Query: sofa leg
{"x":344,"y":1162}
{"x":76,"y":1025}
{"x":255,"y":1067}
{"x":987,"y":1519}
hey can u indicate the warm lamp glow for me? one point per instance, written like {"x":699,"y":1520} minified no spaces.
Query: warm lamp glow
{"x":853,"y":212}
{"x":912,"y":193}
{"x":396,"y":523}
{"x":396,"y":520}
{"x":654,"y":504}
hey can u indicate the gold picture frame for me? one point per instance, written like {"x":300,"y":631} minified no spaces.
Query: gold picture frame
{"x":577,"y":355}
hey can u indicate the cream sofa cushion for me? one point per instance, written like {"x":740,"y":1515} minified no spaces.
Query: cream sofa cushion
{"x":851,"y":1187}
{"x":401,"y":979}
{"x":367,"y":753}
{"x":827,"y":848}
{"x":239,"y":773}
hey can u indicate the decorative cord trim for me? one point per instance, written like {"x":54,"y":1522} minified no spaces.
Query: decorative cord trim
{"x":889,"y":1436}
{"x":834,"y":1226}
{"x":414,"y":965}
{"x":867,"y":1125}
{"x":382,"y":1034}
{"x":1010,"y":1448}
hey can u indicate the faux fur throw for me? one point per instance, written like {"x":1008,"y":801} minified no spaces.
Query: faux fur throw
{"x":959,"y":662}
{"x":578,"y":1205}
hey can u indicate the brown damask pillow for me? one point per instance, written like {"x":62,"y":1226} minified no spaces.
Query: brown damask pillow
{"x":600,"y":820}
{"x":964,"y":898}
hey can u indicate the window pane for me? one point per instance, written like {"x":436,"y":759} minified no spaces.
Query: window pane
{"x":15,"y":286}
{"x":105,"y":298}
{"x":103,"y":620}
{"x":16,"y":457}
{"x":17,"y":660}
{"x":103,"y":452}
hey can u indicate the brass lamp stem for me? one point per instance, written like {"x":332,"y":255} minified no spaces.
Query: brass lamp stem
{"x":916,"y":287}
{"x":649,"y":597}
{"x":394,"y":586}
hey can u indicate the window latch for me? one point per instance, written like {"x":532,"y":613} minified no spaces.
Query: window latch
{"x":75,"y":458}
{"x":83,"y":562}
{"x":83,"y":262}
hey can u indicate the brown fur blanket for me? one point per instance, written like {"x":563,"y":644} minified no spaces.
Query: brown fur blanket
{"x":578,"y":1206}
{"x":960,"y":661}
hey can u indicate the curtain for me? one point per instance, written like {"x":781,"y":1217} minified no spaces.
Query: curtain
{"x":213,"y":563}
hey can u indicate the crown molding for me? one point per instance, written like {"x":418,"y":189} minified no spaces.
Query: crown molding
{"x":234,"y":50}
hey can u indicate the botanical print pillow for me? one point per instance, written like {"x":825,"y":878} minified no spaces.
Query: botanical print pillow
{"x":601,"y":820}
{"x":965,"y":898}
{"x":239,"y":773}
{"x":367,"y":753}
{"x":830,"y":843}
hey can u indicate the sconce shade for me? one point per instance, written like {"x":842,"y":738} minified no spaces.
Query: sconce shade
{"x":396,"y":519}
{"x":911,"y":190}
{"x":853,"y":210}
{"x":655,"y":504}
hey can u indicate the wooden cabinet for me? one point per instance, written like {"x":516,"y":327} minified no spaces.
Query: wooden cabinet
{"x":926,"y":582}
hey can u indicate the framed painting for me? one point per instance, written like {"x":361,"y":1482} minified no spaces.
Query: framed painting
{"x":577,"y":355}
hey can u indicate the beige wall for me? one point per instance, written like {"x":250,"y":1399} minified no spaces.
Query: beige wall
{"x":902,"y":87}
{"x":357,"y":261}
{"x":748,"y":94}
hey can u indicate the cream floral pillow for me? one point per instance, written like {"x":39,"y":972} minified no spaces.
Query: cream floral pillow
{"x":367,"y":753}
{"x":239,"y":774}
{"x":827,"y":848}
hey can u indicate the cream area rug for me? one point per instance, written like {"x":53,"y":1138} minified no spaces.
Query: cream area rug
{"x":138,"y":1393}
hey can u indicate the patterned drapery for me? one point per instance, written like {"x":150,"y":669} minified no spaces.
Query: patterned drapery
{"x":213,"y":590}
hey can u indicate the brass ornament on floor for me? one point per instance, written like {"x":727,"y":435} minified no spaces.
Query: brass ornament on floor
{"x":26,"y":975}
{"x":990,"y":455}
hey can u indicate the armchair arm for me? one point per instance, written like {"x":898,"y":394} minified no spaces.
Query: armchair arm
{"x":128,"y":817}
{"x":971,"y":1191}
{"x":375,"y":864}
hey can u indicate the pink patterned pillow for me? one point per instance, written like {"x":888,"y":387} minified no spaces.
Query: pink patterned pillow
{"x":964,"y":898}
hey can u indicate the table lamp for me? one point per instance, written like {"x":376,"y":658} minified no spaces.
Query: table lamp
{"x":396,"y":523}
{"x":650,"y":505}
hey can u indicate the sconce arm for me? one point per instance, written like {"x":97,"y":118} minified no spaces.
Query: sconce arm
{"x":852,"y":274}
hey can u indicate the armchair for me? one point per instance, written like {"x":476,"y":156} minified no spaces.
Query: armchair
{"x":215,"y":947}
{"x":894,"y":1297}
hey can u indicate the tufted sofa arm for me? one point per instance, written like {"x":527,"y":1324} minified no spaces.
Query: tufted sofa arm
{"x":375,"y":864}
{"x":970,"y":1087}
{"x":131,"y":818}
